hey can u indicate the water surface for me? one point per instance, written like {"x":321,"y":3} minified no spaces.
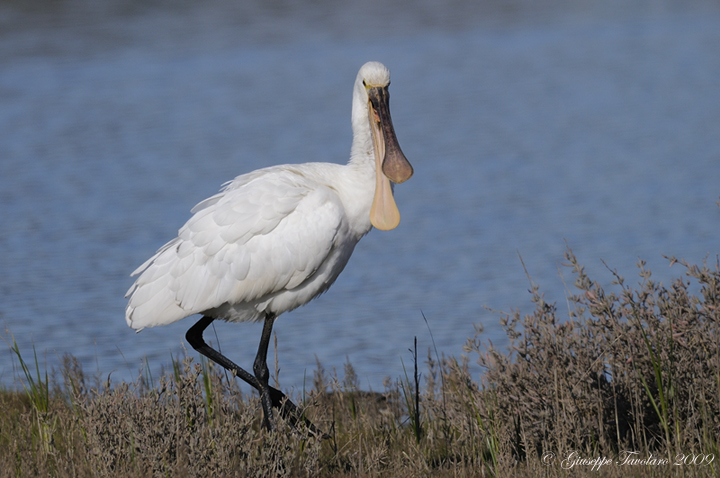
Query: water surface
{"x":528,"y":129}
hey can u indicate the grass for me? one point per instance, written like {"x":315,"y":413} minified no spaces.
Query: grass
{"x":627,"y":384}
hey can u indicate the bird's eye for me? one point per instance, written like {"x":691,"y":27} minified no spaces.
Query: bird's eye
{"x":364,"y":84}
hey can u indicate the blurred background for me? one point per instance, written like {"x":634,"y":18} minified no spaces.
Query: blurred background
{"x":530,"y":124}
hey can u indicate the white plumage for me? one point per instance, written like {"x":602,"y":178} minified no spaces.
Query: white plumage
{"x":273,"y":239}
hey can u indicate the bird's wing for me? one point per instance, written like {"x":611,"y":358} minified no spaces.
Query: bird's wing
{"x":264,"y":232}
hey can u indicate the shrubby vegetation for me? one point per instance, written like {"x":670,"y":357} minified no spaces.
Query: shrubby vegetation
{"x":631,"y":369}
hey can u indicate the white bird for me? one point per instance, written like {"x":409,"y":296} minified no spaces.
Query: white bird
{"x":274,"y":239}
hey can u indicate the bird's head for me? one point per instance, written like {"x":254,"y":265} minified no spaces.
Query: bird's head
{"x":390,"y":162}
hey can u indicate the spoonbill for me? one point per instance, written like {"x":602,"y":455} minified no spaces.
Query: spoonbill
{"x":276,"y":238}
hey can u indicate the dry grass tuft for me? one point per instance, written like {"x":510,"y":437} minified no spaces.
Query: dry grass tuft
{"x":635,"y":369}
{"x":629,"y":370}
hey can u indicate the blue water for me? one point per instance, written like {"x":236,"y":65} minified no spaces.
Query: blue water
{"x":596,"y":128}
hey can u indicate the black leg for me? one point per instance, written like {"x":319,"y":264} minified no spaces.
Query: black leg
{"x":287,"y":408}
{"x":194,"y":336}
{"x":263,"y":374}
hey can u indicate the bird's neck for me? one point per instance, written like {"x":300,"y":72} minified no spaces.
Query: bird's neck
{"x":362,"y":152}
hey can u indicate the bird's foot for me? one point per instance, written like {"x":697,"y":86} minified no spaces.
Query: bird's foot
{"x":293,"y":414}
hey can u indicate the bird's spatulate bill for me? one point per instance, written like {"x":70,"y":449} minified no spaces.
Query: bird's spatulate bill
{"x":390,"y":162}
{"x":384,"y":214}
